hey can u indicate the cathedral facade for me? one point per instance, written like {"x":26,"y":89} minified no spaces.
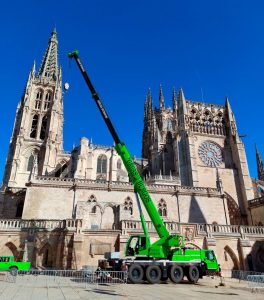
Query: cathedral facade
{"x":82,"y":202}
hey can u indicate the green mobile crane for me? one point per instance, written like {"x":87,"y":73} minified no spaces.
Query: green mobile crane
{"x":167,"y":257}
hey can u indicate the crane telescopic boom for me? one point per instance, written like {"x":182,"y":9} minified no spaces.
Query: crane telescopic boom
{"x":122,"y":150}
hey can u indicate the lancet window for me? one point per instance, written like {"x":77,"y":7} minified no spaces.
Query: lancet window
{"x":47,"y":101}
{"x":34,"y":127}
{"x":128,"y":205}
{"x":38,"y":99}
{"x":102,"y":164}
{"x":43,"y":127}
{"x":162,"y":208}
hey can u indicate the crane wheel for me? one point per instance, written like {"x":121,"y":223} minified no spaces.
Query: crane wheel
{"x":193,"y":274}
{"x":135,"y":273}
{"x":176,"y":274}
{"x":153,"y":274}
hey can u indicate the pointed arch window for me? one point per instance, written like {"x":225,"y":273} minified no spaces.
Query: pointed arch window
{"x":30,"y":163}
{"x":93,"y":211}
{"x":128,"y":205}
{"x":169,"y":125}
{"x":102,"y":164}
{"x":119,"y":165}
{"x":38,"y":99}
{"x":34,"y":126}
{"x":43,"y":127}
{"x":47,"y":101}
{"x":162,"y":208}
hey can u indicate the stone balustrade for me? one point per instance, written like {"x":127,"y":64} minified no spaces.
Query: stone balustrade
{"x":100,"y":146}
{"x":128,"y":226}
{"x":6,"y":224}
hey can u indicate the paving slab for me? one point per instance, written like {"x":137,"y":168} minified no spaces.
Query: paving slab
{"x":207,"y":288}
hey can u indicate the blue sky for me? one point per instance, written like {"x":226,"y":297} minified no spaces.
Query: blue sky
{"x":129,"y":46}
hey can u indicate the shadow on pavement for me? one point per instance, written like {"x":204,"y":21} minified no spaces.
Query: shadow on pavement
{"x":219,"y":293}
{"x":105,"y":292}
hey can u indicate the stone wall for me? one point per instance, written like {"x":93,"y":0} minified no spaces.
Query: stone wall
{"x":67,"y":244}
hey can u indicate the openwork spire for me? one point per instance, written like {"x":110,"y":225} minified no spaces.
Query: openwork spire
{"x":49,"y":67}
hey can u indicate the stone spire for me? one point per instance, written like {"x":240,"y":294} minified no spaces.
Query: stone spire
{"x":260,"y":166}
{"x":182,"y":102}
{"x":231,"y":117}
{"x":145,"y":108}
{"x":149,"y":99}
{"x":161,"y":99}
{"x":49,"y":66}
{"x":174,"y":100}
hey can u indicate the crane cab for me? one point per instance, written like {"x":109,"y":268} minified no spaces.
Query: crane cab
{"x":137,"y":245}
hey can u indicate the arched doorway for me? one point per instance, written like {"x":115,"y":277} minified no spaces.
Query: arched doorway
{"x":230,"y":261}
{"x":46,"y":256}
{"x":11,"y":250}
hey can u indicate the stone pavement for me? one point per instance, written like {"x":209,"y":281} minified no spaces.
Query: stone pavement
{"x":206,"y":288}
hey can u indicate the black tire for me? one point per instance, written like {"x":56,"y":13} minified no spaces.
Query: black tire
{"x":153,"y":274}
{"x":135,"y":273}
{"x":193,"y":274}
{"x":176,"y":274}
{"x":13,"y":271}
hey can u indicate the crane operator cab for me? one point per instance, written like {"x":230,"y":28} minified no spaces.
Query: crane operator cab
{"x":136,"y":245}
{"x":209,"y":258}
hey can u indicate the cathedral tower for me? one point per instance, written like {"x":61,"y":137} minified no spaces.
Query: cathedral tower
{"x":37,"y":136}
{"x":198,"y":145}
{"x":159,"y":145}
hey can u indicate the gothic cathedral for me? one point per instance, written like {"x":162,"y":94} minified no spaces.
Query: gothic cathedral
{"x":193,"y":163}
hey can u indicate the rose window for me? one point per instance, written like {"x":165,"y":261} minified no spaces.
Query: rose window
{"x":210,"y":154}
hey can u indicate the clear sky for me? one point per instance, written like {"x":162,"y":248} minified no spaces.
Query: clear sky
{"x":211,"y":48}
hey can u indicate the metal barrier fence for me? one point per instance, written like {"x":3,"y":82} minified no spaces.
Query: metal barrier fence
{"x":243,"y":275}
{"x":80,"y":278}
{"x":255,"y":282}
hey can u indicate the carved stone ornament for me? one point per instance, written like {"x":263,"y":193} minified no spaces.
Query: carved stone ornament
{"x":210,"y":154}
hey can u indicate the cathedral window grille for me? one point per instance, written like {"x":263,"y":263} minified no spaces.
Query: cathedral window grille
{"x":34,"y":126}
{"x":30,"y":163}
{"x":128,"y":205}
{"x":43,"y":127}
{"x":38,"y":99}
{"x":169,"y":125}
{"x":47,"y":101}
{"x":102,"y":164}
{"x":119,"y":165}
{"x":162,"y":208}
